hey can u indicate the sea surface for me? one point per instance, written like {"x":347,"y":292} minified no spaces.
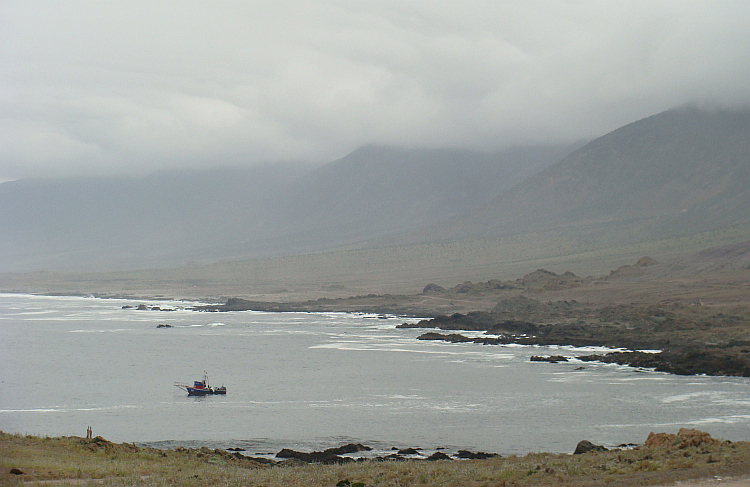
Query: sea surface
{"x":309,"y":381}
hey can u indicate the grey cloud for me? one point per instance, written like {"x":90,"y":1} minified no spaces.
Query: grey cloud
{"x":99,"y":87}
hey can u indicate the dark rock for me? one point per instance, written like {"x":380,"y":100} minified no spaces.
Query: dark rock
{"x":553,"y":359}
{"x":350,"y":448}
{"x":475,"y":320}
{"x":475,"y":456}
{"x":238,"y":304}
{"x":142,"y":307}
{"x":127,"y":306}
{"x":452,"y":338}
{"x":313,"y":457}
{"x":714,"y":362}
{"x":585,"y":446}
{"x":438,"y":455}
{"x":15,"y":471}
{"x":393,"y":457}
{"x":513,"y":327}
{"x":162,"y":325}
{"x":408,"y":451}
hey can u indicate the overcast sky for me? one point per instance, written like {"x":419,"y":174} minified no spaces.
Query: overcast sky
{"x":104,"y":87}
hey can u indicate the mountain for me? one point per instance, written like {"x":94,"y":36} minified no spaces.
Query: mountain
{"x":95,"y":223}
{"x":677,"y":173}
{"x":377,"y":191}
{"x":177,"y":217}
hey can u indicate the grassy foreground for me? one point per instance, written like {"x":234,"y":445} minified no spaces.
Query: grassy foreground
{"x":663,"y":459}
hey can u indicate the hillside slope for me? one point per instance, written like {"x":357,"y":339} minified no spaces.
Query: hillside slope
{"x":676,"y":173}
{"x":178,"y":217}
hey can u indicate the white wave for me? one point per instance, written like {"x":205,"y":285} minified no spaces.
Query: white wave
{"x":729,"y":419}
{"x":116,"y":330}
{"x":468,"y":356}
{"x":68,"y":410}
{"x":692,"y":395}
{"x":571,"y":378}
{"x":733,"y":419}
{"x":649,"y":377}
{"x":383,"y":326}
{"x":35,"y":313}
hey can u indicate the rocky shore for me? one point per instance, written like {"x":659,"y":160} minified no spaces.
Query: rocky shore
{"x":683,"y":339}
{"x":685,"y":362}
{"x":680,"y":339}
{"x":664,"y":458}
{"x":634,"y":309}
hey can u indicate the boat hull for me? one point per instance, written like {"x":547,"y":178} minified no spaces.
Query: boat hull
{"x":201,"y":388}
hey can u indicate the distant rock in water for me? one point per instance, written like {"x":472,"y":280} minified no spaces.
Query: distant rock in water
{"x":512,"y":327}
{"x":453,"y":337}
{"x":328,"y":456}
{"x":408,"y":451}
{"x":350,"y":448}
{"x":438,"y":455}
{"x":553,"y":359}
{"x":465,"y":454}
{"x":586,"y":446}
{"x":162,"y":325}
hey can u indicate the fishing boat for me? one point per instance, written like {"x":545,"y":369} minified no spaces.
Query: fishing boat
{"x":201,"y":387}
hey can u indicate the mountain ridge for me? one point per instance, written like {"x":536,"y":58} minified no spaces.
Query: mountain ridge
{"x":678,"y":172}
{"x":678,"y":178}
{"x":176,"y":217}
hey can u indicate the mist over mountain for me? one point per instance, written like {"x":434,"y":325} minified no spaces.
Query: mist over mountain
{"x":680,"y":173}
{"x":677,"y":173}
{"x":178,"y":217}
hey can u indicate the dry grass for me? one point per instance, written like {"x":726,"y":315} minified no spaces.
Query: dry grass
{"x":76,"y":461}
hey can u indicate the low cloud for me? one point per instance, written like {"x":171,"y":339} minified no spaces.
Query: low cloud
{"x":103,"y":88}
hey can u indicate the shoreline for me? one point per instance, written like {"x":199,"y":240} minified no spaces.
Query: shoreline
{"x":663,"y":459}
{"x":687,"y":339}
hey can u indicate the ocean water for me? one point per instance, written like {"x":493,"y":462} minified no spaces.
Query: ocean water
{"x":314,"y":380}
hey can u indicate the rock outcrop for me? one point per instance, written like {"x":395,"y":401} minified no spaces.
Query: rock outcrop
{"x":684,"y":438}
{"x":585,"y":446}
{"x":329,"y":456}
